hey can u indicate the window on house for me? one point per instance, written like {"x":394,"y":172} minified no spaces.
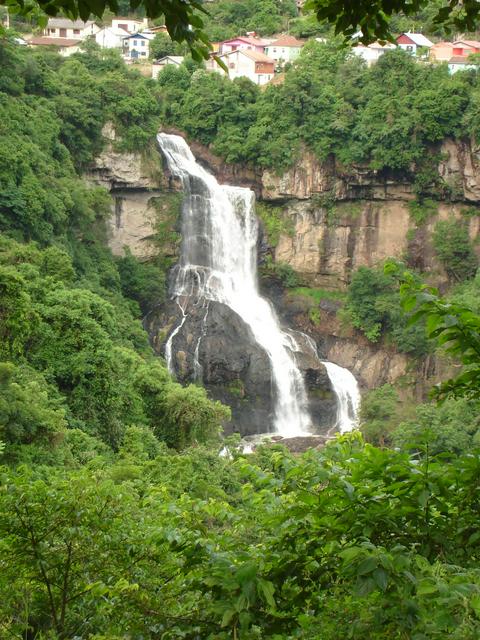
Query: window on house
{"x":52,"y":30}
{"x":231,"y":65}
{"x":135,"y":43}
{"x":409,"y":47}
{"x":142,"y":43}
{"x":274,"y":50}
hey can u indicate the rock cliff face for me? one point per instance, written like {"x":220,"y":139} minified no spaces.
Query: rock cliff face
{"x":338,"y":220}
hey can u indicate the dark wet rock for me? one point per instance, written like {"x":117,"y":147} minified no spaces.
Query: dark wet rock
{"x":234,"y":369}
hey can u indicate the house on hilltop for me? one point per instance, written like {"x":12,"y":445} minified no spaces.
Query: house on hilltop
{"x":372,"y":52}
{"x":111,"y":37}
{"x":240,"y":63}
{"x":414,"y":42}
{"x":441,"y":51}
{"x":465,"y":47}
{"x":243,"y":43}
{"x":70,"y":29}
{"x":137,"y":46}
{"x":64,"y":46}
{"x":159,"y":65}
{"x":285,"y":49}
{"x":131,"y":25}
{"x":460,"y":63}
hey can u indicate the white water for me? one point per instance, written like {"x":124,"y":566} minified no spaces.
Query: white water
{"x":346,"y":389}
{"x":219,"y":263}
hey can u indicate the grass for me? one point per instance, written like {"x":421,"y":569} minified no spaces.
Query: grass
{"x":317,"y":295}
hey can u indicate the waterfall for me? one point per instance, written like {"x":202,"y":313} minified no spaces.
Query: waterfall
{"x":218,"y":263}
{"x":346,"y":389}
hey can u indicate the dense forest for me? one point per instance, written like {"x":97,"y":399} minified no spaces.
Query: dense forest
{"x":119,"y":518}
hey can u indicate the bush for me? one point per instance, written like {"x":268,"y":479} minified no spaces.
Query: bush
{"x":454,"y":250}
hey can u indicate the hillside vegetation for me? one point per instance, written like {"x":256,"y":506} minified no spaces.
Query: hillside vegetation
{"x":77,"y":369}
{"x":122,"y":514}
{"x":388,"y":116}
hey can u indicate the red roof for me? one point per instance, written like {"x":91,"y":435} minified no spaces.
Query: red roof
{"x":287,"y":41}
{"x":56,"y":42}
{"x":257,"y":42}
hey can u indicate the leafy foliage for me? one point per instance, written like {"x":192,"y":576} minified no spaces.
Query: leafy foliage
{"x":353,"y":540}
{"x":373,"y":306}
{"x":453,"y":247}
{"x":453,"y":326}
{"x":389,"y":116}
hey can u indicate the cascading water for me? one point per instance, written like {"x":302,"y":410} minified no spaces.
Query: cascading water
{"x":346,"y":389}
{"x":219,"y":263}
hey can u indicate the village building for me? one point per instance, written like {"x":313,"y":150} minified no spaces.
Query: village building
{"x":372,"y":52}
{"x":243,"y":43}
{"x":241,"y":63}
{"x":159,"y":65}
{"x":132,"y":25}
{"x":414,"y":43}
{"x":65,"y":46}
{"x":111,"y":37}
{"x":70,"y":29}
{"x":465,"y":47}
{"x":460,"y":63}
{"x":284,"y":49}
{"x":137,"y":46}
{"x":441,"y":52}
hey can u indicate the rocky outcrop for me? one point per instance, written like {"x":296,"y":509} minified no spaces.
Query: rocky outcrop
{"x":338,"y":220}
{"x":459,"y":168}
{"x":235,"y":369}
{"x":327,"y":244}
{"x":140,"y":192}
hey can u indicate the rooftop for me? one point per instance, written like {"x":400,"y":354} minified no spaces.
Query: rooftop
{"x":460,"y":60}
{"x":418,"y":38}
{"x":471,"y":43}
{"x":287,"y":41}
{"x":144,"y":34}
{"x":176,"y":59}
{"x":64,"y":23}
{"x":257,"y":56}
{"x":53,"y":42}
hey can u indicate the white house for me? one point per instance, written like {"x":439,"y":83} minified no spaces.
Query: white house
{"x":372,"y":52}
{"x":460,"y":63}
{"x":254,"y":65}
{"x":132,"y":25}
{"x":137,"y":46}
{"x":414,"y":42}
{"x":284,"y":49}
{"x":158,"y":65}
{"x":71,"y":29}
{"x":111,"y":37}
{"x":65,"y":46}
